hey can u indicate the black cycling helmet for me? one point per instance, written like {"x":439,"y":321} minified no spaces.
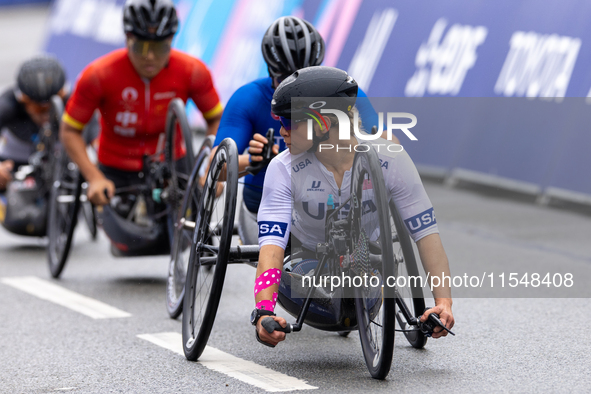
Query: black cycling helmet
{"x":150,"y":19}
{"x":290,"y":44}
{"x":314,"y":88}
{"x":40,"y":78}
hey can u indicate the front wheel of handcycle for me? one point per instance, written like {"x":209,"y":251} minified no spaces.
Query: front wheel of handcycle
{"x":183,"y":232}
{"x":412,"y":293}
{"x":210,"y":248}
{"x":64,"y":202}
{"x":371,"y":243}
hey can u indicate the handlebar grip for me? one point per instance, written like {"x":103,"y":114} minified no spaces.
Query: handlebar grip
{"x":267,"y":154}
{"x":434,"y":317}
{"x":432,"y":322}
{"x":272,"y":325}
{"x":106,"y":192}
{"x":268,"y":148}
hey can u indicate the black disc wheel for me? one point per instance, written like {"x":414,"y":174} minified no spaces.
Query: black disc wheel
{"x":64,"y":202}
{"x":372,"y":257}
{"x":210,"y":247}
{"x":183,"y":233}
{"x":409,"y":291}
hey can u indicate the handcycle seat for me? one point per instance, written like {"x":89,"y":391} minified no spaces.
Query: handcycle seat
{"x":130,"y":239}
{"x":23,"y":207}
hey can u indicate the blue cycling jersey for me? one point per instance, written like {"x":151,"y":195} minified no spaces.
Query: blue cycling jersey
{"x":249,"y":112}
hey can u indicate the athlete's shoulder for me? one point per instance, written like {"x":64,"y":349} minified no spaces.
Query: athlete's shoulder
{"x":112,"y":58}
{"x":9,"y":106}
{"x":251,"y":95}
{"x":8,"y":99}
{"x":184,"y":59}
{"x":106,"y":64}
{"x":259,"y":86}
{"x":265,"y":83}
{"x":282,"y":160}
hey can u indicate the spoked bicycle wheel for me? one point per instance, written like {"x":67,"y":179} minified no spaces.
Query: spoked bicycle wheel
{"x":183,"y":233}
{"x":211,"y":246}
{"x":64,"y":202}
{"x":411,"y":294}
{"x":178,"y":139}
{"x":373,"y":256}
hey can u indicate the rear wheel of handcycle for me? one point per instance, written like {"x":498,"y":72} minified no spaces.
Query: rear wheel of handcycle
{"x":179,"y":167}
{"x":203,"y":288}
{"x":64,"y":202}
{"x":183,"y":233}
{"x":373,"y":256}
{"x":411,"y":294}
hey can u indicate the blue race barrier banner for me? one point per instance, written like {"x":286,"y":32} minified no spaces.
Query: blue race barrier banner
{"x":21,"y":2}
{"x":428,"y":48}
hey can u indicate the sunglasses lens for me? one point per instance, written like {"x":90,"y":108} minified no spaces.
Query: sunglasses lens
{"x":286,"y":123}
{"x":159,"y":48}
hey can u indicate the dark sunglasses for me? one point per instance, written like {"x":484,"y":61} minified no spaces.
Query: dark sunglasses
{"x":142,"y":48}
{"x":289,"y":123}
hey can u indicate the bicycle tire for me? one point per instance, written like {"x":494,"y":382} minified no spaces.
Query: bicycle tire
{"x":177,"y":268}
{"x":374,"y":307}
{"x":62,"y":222}
{"x":196,"y":329}
{"x":89,"y":213}
{"x":407,"y":266}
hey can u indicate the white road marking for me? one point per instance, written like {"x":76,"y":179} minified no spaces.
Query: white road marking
{"x":237,"y":368}
{"x":64,"y":297}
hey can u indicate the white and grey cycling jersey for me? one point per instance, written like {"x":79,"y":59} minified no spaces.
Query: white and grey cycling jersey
{"x":297,"y":188}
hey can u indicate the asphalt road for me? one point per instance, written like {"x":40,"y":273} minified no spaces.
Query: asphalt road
{"x":502,"y":344}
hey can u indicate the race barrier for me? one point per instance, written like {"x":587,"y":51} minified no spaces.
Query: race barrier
{"x":528,"y":58}
{"x":21,"y":2}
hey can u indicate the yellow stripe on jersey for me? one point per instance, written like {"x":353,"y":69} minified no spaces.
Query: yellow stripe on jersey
{"x":72,"y":122}
{"x":214,"y":111}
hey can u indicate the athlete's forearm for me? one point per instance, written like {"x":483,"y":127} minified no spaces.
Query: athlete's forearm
{"x":243,"y":162}
{"x":76,"y":149}
{"x":213,"y":124}
{"x":436,"y":264}
{"x":270,"y":257}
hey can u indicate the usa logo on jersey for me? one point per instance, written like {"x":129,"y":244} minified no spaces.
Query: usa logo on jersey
{"x":421,"y":221}
{"x":277,"y":229}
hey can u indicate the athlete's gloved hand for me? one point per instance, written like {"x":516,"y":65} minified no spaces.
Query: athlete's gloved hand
{"x":256,"y":150}
{"x":443,"y":309}
{"x":96,"y":190}
{"x":5,"y":176}
{"x":276,"y":336}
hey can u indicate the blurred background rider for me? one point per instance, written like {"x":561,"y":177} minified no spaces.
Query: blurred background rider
{"x":24,"y":109}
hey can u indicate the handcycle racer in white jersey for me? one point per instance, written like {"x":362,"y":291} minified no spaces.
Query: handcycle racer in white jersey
{"x":301,"y":211}
{"x":302,"y":182}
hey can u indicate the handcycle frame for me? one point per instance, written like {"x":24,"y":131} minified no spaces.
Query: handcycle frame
{"x":249,"y":254}
{"x":155,"y":172}
{"x":194,"y":343}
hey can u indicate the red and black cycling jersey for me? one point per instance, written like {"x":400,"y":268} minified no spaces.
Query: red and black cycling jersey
{"x":133,"y":109}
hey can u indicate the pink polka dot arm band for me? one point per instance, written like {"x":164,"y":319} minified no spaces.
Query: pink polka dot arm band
{"x":268,"y":278}
{"x":268,"y":305}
